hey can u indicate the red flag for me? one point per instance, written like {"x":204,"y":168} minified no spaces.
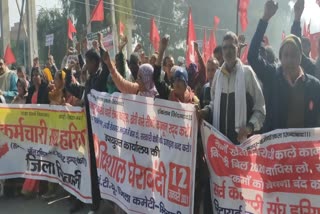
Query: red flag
{"x":98,"y":12}
{"x":243,"y":13}
{"x":121,"y":28}
{"x":314,"y":40}
{"x":191,"y":38}
{"x":205,"y":47}
{"x":71,"y":29}
{"x":212,"y":42}
{"x":244,"y":56}
{"x":283,"y":35}
{"x":154,"y":35}
{"x":216,"y":22}
{"x":9,"y":57}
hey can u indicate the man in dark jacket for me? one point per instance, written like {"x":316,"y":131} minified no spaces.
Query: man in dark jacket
{"x":97,"y":81}
{"x":292,"y":95}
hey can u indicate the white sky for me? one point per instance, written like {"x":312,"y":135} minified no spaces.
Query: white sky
{"x":14,"y":13}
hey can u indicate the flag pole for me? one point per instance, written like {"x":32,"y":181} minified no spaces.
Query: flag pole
{"x":237,"y":15}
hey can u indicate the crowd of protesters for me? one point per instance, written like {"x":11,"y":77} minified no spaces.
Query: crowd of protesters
{"x":238,"y":98}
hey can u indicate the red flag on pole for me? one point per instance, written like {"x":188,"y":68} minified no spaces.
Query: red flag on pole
{"x":244,"y":56}
{"x":212,"y":42}
{"x":154,"y":35}
{"x":71,"y":29}
{"x":9,"y":57}
{"x":191,"y":38}
{"x":98,"y":12}
{"x":205,"y":47}
{"x":121,"y":28}
{"x":216,"y":22}
{"x":243,"y":13}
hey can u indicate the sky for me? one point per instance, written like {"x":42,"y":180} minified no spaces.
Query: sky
{"x":14,"y":13}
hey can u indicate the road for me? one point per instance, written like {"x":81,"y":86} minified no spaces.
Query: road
{"x":20,"y":205}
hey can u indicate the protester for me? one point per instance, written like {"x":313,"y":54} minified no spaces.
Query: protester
{"x":205,"y":96}
{"x":22,"y":87}
{"x":37,"y":94}
{"x":292,"y":94}
{"x":144,"y":85}
{"x":97,"y":81}
{"x":121,"y":66}
{"x":134,"y":64}
{"x":52,"y":66}
{"x":8,"y":82}
{"x":218,"y":54}
{"x":21,"y":73}
{"x":166,"y":73}
{"x":197,"y":74}
{"x":153,"y":59}
{"x":58,"y":95}
{"x":237,"y":103}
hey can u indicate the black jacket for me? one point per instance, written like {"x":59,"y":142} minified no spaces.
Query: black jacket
{"x":43,"y":93}
{"x":276,"y":87}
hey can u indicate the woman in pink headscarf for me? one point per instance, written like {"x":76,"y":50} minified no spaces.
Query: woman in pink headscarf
{"x":144,"y":85}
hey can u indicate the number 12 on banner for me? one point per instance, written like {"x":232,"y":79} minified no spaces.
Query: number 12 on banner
{"x":179,"y":184}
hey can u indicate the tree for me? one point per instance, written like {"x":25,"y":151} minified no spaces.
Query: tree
{"x":52,"y":22}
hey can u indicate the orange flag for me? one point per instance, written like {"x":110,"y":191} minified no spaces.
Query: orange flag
{"x":243,"y":12}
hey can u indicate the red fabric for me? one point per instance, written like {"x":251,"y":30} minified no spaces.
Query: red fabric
{"x":216,"y":22}
{"x":34,"y":98}
{"x":154,"y":35}
{"x":98,"y":12}
{"x":30,"y":185}
{"x":9,"y":57}
{"x":243,"y":13}
{"x":244,"y":56}
{"x":318,"y":2}
{"x":314,"y":40}
{"x":205,"y":52}
{"x":121,"y":28}
{"x":191,"y":38}
{"x":71,"y":29}
{"x":212,"y":42}
{"x":283,"y":35}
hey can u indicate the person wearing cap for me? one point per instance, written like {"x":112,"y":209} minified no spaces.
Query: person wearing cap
{"x":292,"y":94}
{"x":180,"y":91}
{"x":237,"y":104}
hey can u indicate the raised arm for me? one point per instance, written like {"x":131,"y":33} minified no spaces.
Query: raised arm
{"x":262,"y":68}
{"x":162,"y":87}
{"x":201,"y":76}
{"x":74,"y":89}
{"x":123,"y":85}
{"x":306,"y":63}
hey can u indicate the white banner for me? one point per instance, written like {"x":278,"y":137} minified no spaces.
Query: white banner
{"x":45,"y":142}
{"x":274,"y":173}
{"x":107,"y":39}
{"x":49,"y":40}
{"x":146,"y":152}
